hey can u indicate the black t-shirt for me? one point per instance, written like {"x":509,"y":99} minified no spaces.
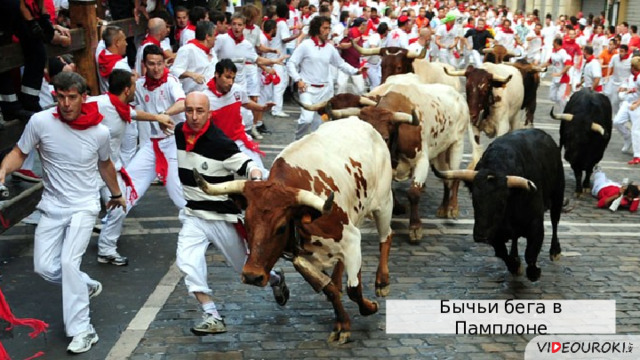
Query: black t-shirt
{"x":479,"y":38}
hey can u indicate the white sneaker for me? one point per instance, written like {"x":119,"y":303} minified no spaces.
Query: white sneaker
{"x":83,"y":342}
{"x":209,"y":326}
{"x":281,"y":114}
{"x":627,"y":149}
{"x":255,"y":134}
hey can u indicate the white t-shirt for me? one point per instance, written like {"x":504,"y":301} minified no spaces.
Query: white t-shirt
{"x":121,"y":64}
{"x":591,"y":71}
{"x":621,"y":69}
{"x":194,"y":59}
{"x":447,"y":38}
{"x":159,"y":100}
{"x":240,"y":53}
{"x":114,"y":123}
{"x":311,"y":63}
{"x":398,"y":38}
{"x":559,"y":59}
{"x":549,"y":33}
{"x":186,"y":35}
{"x":69,"y":161}
{"x":282,"y":33}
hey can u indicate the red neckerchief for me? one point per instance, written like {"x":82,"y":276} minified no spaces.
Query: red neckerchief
{"x":250,"y":27}
{"x":150,"y":40}
{"x":281,"y":19}
{"x":151,"y":84}
{"x":411,"y":41}
{"x":212,"y":86}
{"x":235,"y":39}
{"x":316,"y":42}
{"x":291,"y":8}
{"x":306,"y":16}
{"x":625,"y":57}
{"x":267,"y":36}
{"x":570,"y":42}
{"x":128,"y":182}
{"x":635,"y":76}
{"x":199,"y":45}
{"x":124,"y":110}
{"x":506,"y":31}
{"x":449,"y":25}
{"x":375,"y":20}
{"x":590,"y":58}
{"x":89,"y":116}
{"x":191,"y":27}
{"x":106,"y":62}
{"x":162,"y":164}
{"x":191,"y":136}
{"x":38,"y":326}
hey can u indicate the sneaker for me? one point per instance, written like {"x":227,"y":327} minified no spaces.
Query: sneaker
{"x":209,"y":326}
{"x":26,"y":175}
{"x":117,"y":260}
{"x":634,"y":161}
{"x":255,"y":134}
{"x":263,"y":129}
{"x":281,"y":114}
{"x":627,"y":149}
{"x":83,"y":342}
{"x":280,"y":291}
{"x":95,"y":290}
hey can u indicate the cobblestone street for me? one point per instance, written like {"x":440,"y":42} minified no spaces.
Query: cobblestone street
{"x":601,"y":260}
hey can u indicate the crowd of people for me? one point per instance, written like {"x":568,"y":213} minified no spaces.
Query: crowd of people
{"x":192,"y":93}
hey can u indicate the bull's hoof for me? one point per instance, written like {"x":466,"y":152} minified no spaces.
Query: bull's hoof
{"x":341,"y":337}
{"x":520,"y":270}
{"x":441,"y":213}
{"x":586,"y":190}
{"x":382,"y":290}
{"x":366,"y":311}
{"x":453,"y":213}
{"x":578,"y":195}
{"x":533,"y":273}
{"x":555,"y":257}
{"x":415,"y":235}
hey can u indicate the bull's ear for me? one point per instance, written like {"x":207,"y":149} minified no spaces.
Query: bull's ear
{"x":305,"y":214}
{"x":497,"y":84}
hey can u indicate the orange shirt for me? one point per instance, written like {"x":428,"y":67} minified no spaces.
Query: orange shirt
{"x":606,"y":56}
{"x":422,"y":22}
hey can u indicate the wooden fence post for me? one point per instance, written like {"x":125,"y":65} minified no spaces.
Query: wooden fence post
{"x":83,"y":14}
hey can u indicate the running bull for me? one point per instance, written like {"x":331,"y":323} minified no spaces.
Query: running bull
{"x":585,"y":132}
{"x":319,"y":190}
{"x":518,"y":178}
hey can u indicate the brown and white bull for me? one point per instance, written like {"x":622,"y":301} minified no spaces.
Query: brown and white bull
{"x":531,"y":81}
{"x":319,"y":191}
{"x":395,"y":60}
{"x":497,"y":54}
{"x":442,"y":119}
{"x":494,"y":95}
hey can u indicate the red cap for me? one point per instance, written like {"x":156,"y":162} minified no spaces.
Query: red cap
{"x":403,"y":18}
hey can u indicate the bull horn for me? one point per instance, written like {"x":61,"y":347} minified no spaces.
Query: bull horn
{"x":366,"y":52}
{"x":229,"y":187}
{"x":311,"y":107}
{"x":464,"y":175}
{"x":310,"y":199}
{"x":345,"y":113}
{"x":454,"y":72}
{"x":598,"y":128}
{"x":565,"y":117}
{"x":487,"y":51}
{"x":511,"y":53}
{"x":520,"y":182}
{"x":540,"y":68}
{"x":501,"y":79}
{"x":365,"y":101}
{"x":421,"y":55}
{"x":402,"y":117}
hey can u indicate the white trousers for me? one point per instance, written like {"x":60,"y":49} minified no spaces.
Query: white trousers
{"x":252,"y":79}
{"x":557,"y":95}
{"x":353,"y":84}
{"x":632,"y":137}
{"x":142,"y":171}
{"x":60,"y":242}
{"x":194,"y":239}
{"x":446,"y":56}
{"x":375,"y":75}
{"x":129,"y":144}
{"x":611,"y":91}
{"x":278,"y":90}
{"x":476,"y":58}
{"x":310,"y":120}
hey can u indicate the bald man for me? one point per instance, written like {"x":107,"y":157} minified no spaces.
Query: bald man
{"x":211,"y":219}
{"x":424,"y":40}
{"x":156,"y":33}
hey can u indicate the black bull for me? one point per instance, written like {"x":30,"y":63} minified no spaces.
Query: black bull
{"x":585,"y":132}
{"x":518,"y":178}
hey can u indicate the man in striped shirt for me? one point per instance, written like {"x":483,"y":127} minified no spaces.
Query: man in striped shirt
{"x":212,"y":219}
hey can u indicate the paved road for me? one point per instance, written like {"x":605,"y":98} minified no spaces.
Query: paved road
{"x":145,"y":313}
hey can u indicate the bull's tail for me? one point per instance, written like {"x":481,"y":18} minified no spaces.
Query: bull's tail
{"x":476,"y":148}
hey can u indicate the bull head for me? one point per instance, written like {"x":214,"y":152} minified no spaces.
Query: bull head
{"x":514,"y":182}
{"x":568,"y":117}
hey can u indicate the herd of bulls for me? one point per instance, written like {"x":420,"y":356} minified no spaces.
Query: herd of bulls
{"x":322,"y":187}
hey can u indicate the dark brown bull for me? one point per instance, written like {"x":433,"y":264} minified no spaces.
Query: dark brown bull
{"x":497,"y":54}
{"x":531,"y":81}
{"x":395,"y":60}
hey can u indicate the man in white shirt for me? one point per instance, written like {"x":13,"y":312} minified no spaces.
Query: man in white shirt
{"x":424,"y":41}
{"x":282,"y":37}
{"x":72,"y":145}
{"x":400,"y":37}
{"x":110,"y":54}
{"x":619,"y":72}
{"x":591,"y":71}
{"x":196,"y":14}
{"x":158,"y":93}
{"x":157,"y":31}
{"x":630,"y":112}
{"x":447,"y":40}
{"x":309,"y":66}
{"x":118,"y":116}
{"x":624,"y":32}
{"x":549,"y":33}
{"x":560,"y":63}
{"x":534,"y":45}
{"x":195,"y":62}
{"x":376,"y":39}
